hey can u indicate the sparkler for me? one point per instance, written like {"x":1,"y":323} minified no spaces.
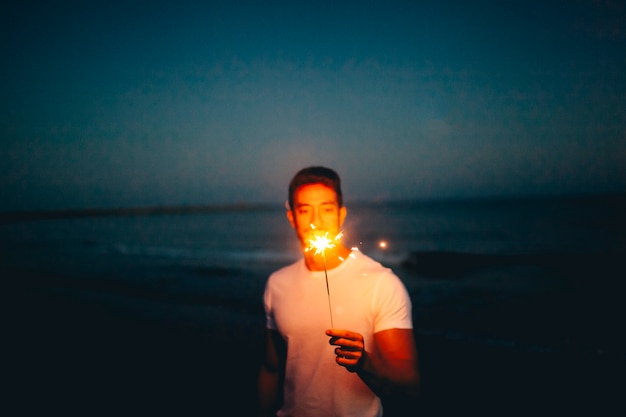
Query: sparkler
{"x":320,"y":243}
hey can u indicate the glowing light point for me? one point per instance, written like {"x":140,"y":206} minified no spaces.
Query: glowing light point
{"x":320,"y":242}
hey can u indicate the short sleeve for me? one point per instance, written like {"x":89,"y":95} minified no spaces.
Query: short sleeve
{"x":392,"y":304}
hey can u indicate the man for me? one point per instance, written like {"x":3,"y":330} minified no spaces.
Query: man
{"x":339,"y":324}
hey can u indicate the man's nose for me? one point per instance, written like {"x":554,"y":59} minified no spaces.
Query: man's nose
{"x":316,"y":220}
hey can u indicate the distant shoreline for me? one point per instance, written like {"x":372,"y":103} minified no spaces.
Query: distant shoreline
{"x":32,"y":215}
{"x":19,"y":216}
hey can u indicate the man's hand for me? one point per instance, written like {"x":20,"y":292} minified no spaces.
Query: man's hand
{"x":350,"y":349}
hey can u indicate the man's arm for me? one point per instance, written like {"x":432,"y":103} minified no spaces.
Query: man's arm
{"x":270,"y":379}
{"x":390,"y":366}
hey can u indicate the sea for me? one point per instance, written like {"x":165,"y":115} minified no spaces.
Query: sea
{"x":540,"y":274}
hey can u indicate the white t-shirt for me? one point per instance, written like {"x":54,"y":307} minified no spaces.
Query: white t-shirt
{"x":365,"y":297}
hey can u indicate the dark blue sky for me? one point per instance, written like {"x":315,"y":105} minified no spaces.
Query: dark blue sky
{"x":115,"y":104}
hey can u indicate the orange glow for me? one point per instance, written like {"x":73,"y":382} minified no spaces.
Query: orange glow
{"x":320,"y":242}
{"x":382,"y":244}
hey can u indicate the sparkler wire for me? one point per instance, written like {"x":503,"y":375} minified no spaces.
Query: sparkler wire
{"x":320,"y":243}
{"x":330,"y":310}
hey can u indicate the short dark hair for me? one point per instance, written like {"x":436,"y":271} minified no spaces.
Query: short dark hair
{"x":315,"y":175}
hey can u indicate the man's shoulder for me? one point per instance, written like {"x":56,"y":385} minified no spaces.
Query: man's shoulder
{"x":366,"y":262}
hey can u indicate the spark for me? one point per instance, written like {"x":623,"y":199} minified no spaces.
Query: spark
{"x":321,"y":242}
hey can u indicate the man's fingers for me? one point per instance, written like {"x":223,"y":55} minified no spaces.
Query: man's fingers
{"x":348,"y":353}
{"x":342,"y":341}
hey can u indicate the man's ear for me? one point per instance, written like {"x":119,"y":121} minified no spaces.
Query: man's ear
{"x":292,"y":221}
{"x":343,"y":212}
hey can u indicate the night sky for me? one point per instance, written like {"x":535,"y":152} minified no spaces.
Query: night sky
{"x":123,"y":103}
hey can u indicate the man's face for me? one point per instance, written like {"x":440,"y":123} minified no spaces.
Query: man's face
{"x":315,"y":206}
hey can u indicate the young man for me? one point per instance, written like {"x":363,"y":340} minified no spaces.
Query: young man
{"x":313,"y":368}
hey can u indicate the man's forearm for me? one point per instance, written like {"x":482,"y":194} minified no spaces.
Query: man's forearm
{"x":386,"y":377}
{"x":268,"y":392}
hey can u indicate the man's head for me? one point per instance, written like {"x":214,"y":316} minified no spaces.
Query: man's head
{"x":315,"y":203}
{"x":315,"y":175}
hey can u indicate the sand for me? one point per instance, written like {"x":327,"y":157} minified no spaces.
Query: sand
{"x":93,"y":353}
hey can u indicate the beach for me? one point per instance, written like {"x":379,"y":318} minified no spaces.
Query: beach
{"x":82,"y":352}
{"x":115,"y":355}
{"x":102,"y":322}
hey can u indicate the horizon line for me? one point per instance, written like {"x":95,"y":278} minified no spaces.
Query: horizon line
{"x":49,"y":214}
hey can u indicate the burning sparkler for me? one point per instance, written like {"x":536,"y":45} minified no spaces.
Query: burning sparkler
{"x":320,"y":242}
